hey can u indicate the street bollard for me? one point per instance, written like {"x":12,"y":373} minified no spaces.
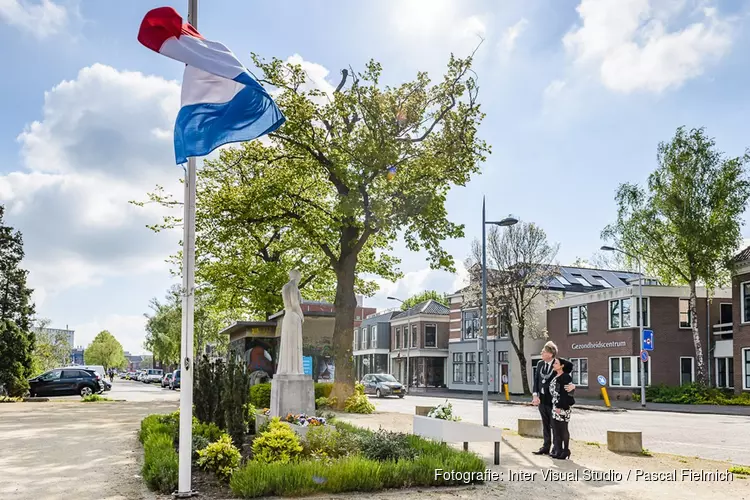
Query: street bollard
{"x":606,"y":397}
{"x":507,"y":394}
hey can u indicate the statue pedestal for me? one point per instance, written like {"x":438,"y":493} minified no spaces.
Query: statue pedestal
{"x":292,"y":393}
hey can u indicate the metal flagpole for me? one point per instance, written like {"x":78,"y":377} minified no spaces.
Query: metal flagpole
{"x":184,"y":489}
{"x":485,"y":368}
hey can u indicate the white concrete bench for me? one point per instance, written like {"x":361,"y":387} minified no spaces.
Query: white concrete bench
{"x":625,"y":441}
{"x":448,"y":431}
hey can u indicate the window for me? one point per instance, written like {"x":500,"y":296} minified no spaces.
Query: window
{"x":356,"y":333}
{"x":373,"y":337}
{"x":398,"y":338}
{"x":470,"y":324}
{"x":430,"y":336}
{"x":502,"y":357}
{"x":458,"y":367}
{"x":620,"y":313}
{"x":504,"y":323}
{"x":471,"y":367}
{"x":405,"y":339}
{"x":414,"y":332}
{"x":363,"y":344}
{"x":725,"y":313}
{"x":53,"y":375}
{"x":624,"y":371}
{"x":534,"y":361}
{"x":746,"y":369}
{"x":725,"y":373}
{"x":579,"y":319}
{"x":580,"y":371}
{"x":644,"y":313}
{"x":685,"y":313}
{"x":563,"y":281}
{"x":687,"y":370}
{"x":745,"y":292}
{"x":581,"y":280}
{"x":602,"y":282}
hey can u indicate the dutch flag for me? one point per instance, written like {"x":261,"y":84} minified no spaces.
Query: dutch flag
{"x":221,"y":101}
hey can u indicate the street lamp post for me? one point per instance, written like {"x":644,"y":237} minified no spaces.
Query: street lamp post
{"x":640,"y":311}
{"x":508,"y":221}
{"x":408,"y":339}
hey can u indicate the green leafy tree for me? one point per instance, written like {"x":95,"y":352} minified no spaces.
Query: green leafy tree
{"x":51,"y":348}
{"x":106,"y":351}
{"x":686,"y":226}
{"x":424,"y":296}
{"x":16,"y":312}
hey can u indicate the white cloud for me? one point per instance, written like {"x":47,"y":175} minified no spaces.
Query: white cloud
{"x":632,"y":48}
{"x":553,"y":89}
{"x":96,"y":147}
{"x":42,"y":19}
{"x":511,"y":35}
{"x":128,"y":330}
{"x":415,"y":282}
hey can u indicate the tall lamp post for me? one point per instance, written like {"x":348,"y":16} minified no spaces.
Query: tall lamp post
{"x":640,"y":310}
{"x":508,"y":221}
{"x":408,"y":340}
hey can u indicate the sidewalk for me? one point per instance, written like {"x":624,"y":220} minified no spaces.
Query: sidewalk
{"x":592,"y":404}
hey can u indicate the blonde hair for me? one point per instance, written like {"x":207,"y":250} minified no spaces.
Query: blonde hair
{"x":551,"y":348}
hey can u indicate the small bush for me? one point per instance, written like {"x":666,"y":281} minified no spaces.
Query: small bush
{"x":278,"y":444}
{"x":199,"y":443}
{"x":693,"y":394}
{"x":324,"y":403}
{"x":359,"y":403}
{"x":221,"y":457}
{"x":209,"y":431}
{"x":359,"y":388}
{"x":154,"y":424}
{"x":160,"y":463}
{"x":740,"y":470}
{"x":323,"y":390}
{"x":94,"y":398}
{"x":250,"y":412}
{"x":9,"y":399}
{"x":260,"y":395}
{"x":385,"y":445}
{"x":327,"y":442}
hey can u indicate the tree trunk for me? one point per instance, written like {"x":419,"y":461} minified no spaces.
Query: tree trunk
{"x":701,"y":376}
{"x":343,"y":330}
{"x":518,"y":347}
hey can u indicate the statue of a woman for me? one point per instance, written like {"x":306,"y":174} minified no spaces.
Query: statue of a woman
{"x":290,"y":352}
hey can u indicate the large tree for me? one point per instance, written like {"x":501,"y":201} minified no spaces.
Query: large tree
{"x":16,"y":312}
{"x":521,"y":264}
{"x":349,"y":172}
{"x":105,"y":350}
{"x":424,"y":296}
{"x":685,"y":226}
{"x":51,"y":348}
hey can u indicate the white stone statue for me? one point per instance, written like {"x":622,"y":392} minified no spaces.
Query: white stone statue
{"x":290,"y":352}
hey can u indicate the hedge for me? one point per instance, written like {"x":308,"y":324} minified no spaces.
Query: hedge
{"x":260,"y":396}
{"x":160,"y":462}
{"x":693,"y":394}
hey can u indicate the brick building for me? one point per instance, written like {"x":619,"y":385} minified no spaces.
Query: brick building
{"x":600,"y":333}
{"x":737,"y":343}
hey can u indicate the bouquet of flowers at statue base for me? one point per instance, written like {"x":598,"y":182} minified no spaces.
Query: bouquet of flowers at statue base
{"x":444,"y":412}
{"x":303,"y":419}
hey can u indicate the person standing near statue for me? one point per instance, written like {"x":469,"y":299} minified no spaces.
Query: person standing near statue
{"x":290,"y":352}
{"x":543,"y":396}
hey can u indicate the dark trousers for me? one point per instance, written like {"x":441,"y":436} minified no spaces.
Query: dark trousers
{"x":546,"y":412}
{"x":562,"y":436}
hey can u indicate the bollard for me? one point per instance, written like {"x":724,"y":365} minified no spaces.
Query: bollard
{"x":606,"y":397}
{"x":507,"y":394}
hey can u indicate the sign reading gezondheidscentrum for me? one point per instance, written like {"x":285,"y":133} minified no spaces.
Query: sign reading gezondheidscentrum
{"x":553,"y":475}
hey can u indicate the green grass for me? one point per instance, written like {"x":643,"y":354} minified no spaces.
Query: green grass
{"x":646,"y":453}
{"x":740,"y":470}
{"x":94,"y":398}
{"x":593,"y":443}
{"x":682,"y":461}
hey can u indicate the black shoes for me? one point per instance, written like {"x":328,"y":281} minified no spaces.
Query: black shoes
{"x":564,"y":455}
{"x":541,"y":451}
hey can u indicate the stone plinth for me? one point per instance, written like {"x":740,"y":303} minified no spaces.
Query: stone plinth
{"x":422,"y":411}
{"x":530,"y":427}
{"x":292,"y":394}
{"x":624,"y":441}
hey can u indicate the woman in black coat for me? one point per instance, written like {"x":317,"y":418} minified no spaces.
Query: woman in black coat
{"x":562,"y":402}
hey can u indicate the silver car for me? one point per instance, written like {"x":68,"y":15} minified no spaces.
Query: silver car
{"x":383,"y":384}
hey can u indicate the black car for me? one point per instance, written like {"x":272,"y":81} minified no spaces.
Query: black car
{"x":175,"y":382}
{"x":66,"y":381}
{"x":383,"y":384}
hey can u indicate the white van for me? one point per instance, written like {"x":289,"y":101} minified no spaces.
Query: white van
{"x":153,"y":375}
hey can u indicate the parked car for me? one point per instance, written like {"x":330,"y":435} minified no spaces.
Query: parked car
{"x":166,"y":380}
{"x":107,"y":385}
{"x":383,"y":384}
{"x":66,"y":381}
{"x":152,"y":375}
{"x":139,"y":375}
{"x":175,"y":382}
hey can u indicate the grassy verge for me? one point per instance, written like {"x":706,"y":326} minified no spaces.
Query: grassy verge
{"x":94,"y":398}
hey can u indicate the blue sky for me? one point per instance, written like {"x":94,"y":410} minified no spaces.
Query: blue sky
{"x":578,"y":93}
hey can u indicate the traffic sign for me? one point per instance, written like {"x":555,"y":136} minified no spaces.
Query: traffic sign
{"x":644,"y":356}
{"x":602,"y":380}
{"x":307,"y":365}
{"x":648,"y":340}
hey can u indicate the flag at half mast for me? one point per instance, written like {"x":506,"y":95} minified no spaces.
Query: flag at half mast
{"x":221,"y":101}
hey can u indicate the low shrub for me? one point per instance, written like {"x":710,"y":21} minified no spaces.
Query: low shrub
{"x":250,"y":412}
{"x":93,"y":398}
{"x":359,"y":403}
{"x":278,"y":444}
{"x":385,"y":445}
{"x":323,"y":390}
{"x":221,"y":457}
{"x":209,"y":431}
{"x":693,"y":394}
{"x":160,"y":463}
{"x":154,"y":424}
{"x":260,"y":395}
{"x":9,"y":399}
{"x":199,"y":443}
{"x":325,"y":403}
{"x":328,"y":442}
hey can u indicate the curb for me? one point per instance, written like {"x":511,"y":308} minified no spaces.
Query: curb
{"x":577,"y":407}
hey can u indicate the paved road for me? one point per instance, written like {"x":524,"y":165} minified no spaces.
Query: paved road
{"x":718,"y":437}
{"x":129,"y":390}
